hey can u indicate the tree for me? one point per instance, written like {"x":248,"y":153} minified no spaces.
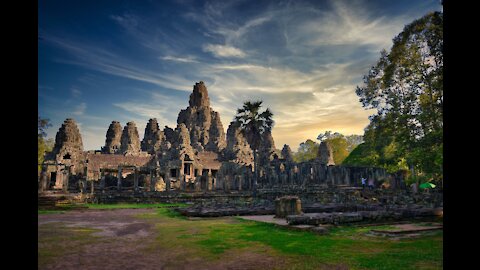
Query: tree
{"x":43,"y":144}
{"x":253,"y":125}
{"x":341,"y":145}
{"x":406,"y":89}
{"x":307,"y":151}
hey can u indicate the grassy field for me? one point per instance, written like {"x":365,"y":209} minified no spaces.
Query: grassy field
{"x":349,"y":246}
{"x":228,"y":238}
{"x":96,"y":206}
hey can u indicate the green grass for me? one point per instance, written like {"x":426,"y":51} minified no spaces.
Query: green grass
{"x":133,"y":205}
{"x":46,"y":212}
{"x":227,"y":238}
{"x":62,"y":209}
{"x":351,"y":246}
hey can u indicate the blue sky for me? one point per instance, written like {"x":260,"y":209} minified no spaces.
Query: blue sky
{"x":100,"y":61}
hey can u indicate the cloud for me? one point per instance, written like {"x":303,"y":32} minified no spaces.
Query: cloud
{"x":188,"y":59}
{"x":223,"y":51}
{"x":80,"y":109}
{"x":76,"y":93}
{"x":99,"y":59}
{"x":302,"y":59}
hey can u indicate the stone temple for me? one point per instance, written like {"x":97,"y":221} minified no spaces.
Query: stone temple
{"x":195,"y":156}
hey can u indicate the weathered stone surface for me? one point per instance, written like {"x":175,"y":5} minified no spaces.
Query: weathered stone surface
{"x":395,"y":214}
{"x":68,"y":138}
{"x":68,"y":147}
{"x":238,"y":150}
{"x":325,"y":154}
{"x":287,"y":153}
{"x":204,"y":125}
{"x":113,"y":138}
{"x":287,"y":205}
{"x":182,"y":144}
{"x":153,"y":138}
{"x":130,"y":140}
{"x":266,"y":151}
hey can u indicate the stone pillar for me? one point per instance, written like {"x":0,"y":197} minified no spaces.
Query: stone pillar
{"x":65,"y":176}
{"x":102,"y":181}
{"x":240,"y":182}
{"x":43,"y":181}
{"x":135,"y":180}
{"x":153,"y":180}
{"x":226,"y":182}
{"x":119,"y":178}
{"x":209,"y":180}
{"x":167,"y":184}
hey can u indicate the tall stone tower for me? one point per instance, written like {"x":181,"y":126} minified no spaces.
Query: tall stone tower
{"x":113,"y":138}
{"x":68,"y":149}
{"x":130,"y":141}
{"x":203,"y":123}
{"x":325,"y":154}
{"x":153,"y":137}
{"x":238,"y":149}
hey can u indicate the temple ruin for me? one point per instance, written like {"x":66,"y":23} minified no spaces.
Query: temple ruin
{"x":194,"y":156}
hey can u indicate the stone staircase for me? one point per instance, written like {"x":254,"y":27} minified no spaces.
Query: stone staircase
{"x":58,"y":200}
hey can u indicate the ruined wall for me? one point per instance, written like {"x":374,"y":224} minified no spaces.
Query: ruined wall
{"x":315,"y":173}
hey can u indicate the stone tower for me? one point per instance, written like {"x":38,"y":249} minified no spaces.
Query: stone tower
{"x":325,"y":154}
{"x":113,"y":138}
{"x":130,"y":141}
{"x":238,"y":150}
{"x":287,"y":153}
{"x":153,"y":137}
{"x":68,"y":147}
{"x":203,"y":123}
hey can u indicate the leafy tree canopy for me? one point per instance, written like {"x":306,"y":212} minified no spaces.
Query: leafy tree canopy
{"x":406,"y":89}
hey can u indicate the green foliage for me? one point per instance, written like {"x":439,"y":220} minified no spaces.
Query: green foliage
{"x":44,"y":145}
{"x":254,"y":123}
{"x":362,"y":155}
{"x":339,"y":149}
{"x":308,"y":150}
{"x":406,"y":89}
{"x":341,"y":145}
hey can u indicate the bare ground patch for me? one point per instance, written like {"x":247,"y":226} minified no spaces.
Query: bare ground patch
{"x":118,"y":239}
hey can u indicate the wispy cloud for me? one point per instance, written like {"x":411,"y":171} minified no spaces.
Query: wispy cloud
{"x":80,"y":109}
{"x":223,"y":51}
{"x":303,"y":59}
{"x":76,"y":93}
{"x":99,"y":59}
{"x":189,"y":59}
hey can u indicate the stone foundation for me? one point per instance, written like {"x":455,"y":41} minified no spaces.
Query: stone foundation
{"x":287,"y":205}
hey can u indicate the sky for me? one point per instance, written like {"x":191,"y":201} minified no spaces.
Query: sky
{"x":100,"y":61}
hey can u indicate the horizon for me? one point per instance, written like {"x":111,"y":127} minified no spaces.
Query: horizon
{"x":132,"y":61}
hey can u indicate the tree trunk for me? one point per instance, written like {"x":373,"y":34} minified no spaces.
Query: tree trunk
{"x":255,"y":169}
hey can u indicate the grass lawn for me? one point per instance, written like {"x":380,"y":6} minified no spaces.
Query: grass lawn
{"x":214,"y":240}
{"x":349,"y":246}
{"x":96,"y":206}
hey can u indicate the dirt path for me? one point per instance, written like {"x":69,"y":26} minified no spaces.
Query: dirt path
{"x":119,"y":240}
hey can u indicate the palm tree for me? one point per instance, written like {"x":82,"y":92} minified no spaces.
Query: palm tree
{"x":253,"y":125}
